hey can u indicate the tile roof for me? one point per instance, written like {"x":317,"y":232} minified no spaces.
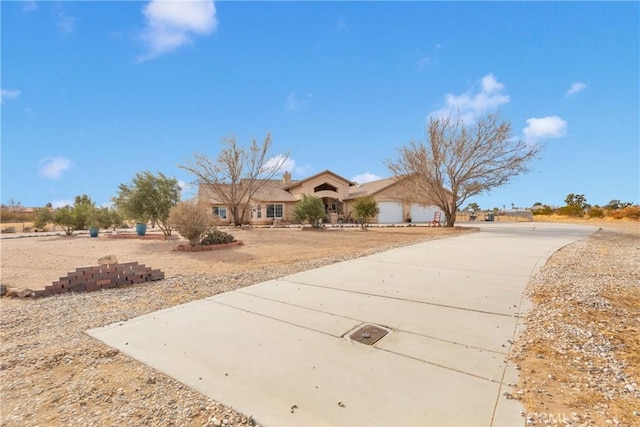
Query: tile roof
{"x":371,"y":188}
{"x":296,"y":183}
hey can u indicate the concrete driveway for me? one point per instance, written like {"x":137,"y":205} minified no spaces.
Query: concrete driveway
{"x":282,"y":351}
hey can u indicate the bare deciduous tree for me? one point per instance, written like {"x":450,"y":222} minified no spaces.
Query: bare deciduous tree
{"x":462,"y":160}
{"x":237,"y":174}
{"x":14,"y":206}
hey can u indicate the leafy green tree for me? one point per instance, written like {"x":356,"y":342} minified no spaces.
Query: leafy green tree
{"x":473,"y":207}
{"x":149,"y":198}
{"x":575,"y":205}
{"x":365,"y":208}
{"x":43,"y":217}
{"x":105,"y":217}
{"x":65,"y":218}
{"x":116,"y":218}
{"x":576,"y":200}
{"x":617,"y":204}
{"x":69,"y":218}
{"x":461,"y":160}
{"x":82,"y":211}
{"x":310,"y":209}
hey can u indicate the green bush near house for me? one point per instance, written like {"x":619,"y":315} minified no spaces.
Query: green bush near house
{"x":216,"y":237}
{"x":310,"y":209}
{"x":365,"y":208}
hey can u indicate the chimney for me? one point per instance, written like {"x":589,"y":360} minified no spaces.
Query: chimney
{"x":286,"y":178}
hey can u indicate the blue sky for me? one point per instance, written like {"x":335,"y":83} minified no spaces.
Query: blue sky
{"x":94,"y":92}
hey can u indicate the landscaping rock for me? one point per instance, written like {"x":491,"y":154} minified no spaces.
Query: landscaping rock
{"x":107,"y":259}
{"x":25,"y":293}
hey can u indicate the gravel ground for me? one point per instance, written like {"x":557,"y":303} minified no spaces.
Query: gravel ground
{"x":579,"y":355}
{"x":52,"y":373}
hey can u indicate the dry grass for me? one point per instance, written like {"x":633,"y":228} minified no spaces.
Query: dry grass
{"x":582,"y":348}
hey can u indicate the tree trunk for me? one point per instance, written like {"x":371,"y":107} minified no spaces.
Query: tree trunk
{"x":451,"y":219}
{"x":237,"y":220}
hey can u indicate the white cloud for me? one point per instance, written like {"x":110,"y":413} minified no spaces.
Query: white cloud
{"x":490,"y":84}
{"x":8,"y":94}
{"x":65,"y":22}
{"x":172,"y":24}
{"x":187,"y":189}
{"x":423,"y":61}
{"x":29,"y":6}
{"x":286,"y":164}
{"x":469,"y":105}
{"x":544,"y":127}
{"x":363,"y":178}
{"x":53,"y":167}
{"x":576,"y":87}
{"x":295,"y":102}
{"x":61,"y":203}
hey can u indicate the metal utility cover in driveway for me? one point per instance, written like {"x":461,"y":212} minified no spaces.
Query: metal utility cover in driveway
{"x":369,"y":334}
{"x":451,"y":306}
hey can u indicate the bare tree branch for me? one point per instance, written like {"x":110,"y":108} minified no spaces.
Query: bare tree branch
{"x":237,"y":174}
{"x":459,"y":161}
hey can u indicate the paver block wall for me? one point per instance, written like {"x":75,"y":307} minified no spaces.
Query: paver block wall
{"x":87,"y":279}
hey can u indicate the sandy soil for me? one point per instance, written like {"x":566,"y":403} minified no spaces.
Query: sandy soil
{"x":35,"y":262}
{"x":57,"y":375}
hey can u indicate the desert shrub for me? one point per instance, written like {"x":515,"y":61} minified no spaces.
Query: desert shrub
{"x":365,"y":208}
{"x":216,"y":237}
{"x":545,"y":210}
{"x":105,"y":218}
{"x":309,"y":209}
{"x":9,"y":230}
{"x":595,"y":212}
{"x":631,"y":212}
{"x":191,"y":220}
{"x":43,"y":217}
{"x":7,"y":215}
{"x":575,"y":211}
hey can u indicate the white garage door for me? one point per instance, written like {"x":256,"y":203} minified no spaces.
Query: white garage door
{"x":421,"y":213}
{"x":390,"y":212}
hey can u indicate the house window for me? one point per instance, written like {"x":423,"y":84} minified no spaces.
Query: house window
{"x":220,"y":212}
{"x":256,"y":212}
{"x":274,"y":210}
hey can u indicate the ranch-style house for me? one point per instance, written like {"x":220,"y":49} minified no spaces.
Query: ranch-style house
{"x":276,"y":199}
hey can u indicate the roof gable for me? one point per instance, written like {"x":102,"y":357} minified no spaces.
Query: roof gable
{"x":318,"y":175}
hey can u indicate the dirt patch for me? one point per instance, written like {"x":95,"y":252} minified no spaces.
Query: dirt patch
{"x":36,"y":262}
{"x":52,"y":373}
